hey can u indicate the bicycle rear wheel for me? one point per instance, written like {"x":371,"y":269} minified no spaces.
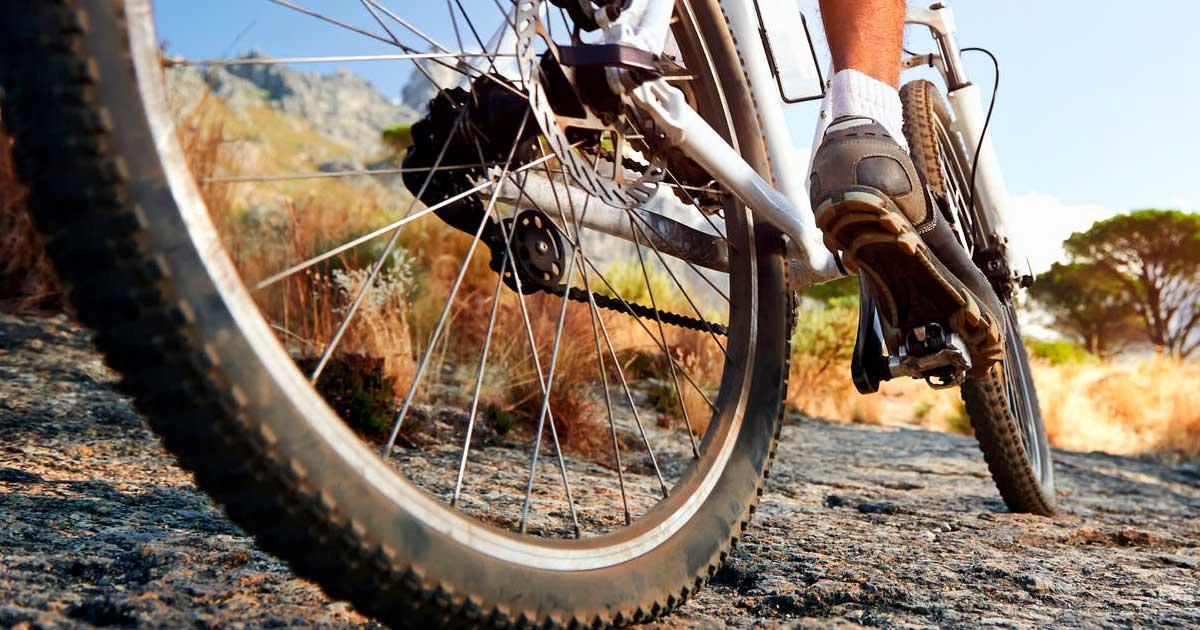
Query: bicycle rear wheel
{"x":1002,"y":405}
{"x":214,"y":367}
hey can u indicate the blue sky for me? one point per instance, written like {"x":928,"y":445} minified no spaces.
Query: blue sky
{"x":1096,"y":111}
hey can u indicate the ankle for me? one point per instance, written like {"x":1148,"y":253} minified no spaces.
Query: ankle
{"x":852,"y":93}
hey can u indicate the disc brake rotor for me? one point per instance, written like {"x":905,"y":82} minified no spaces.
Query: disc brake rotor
{"x":548,"y":84}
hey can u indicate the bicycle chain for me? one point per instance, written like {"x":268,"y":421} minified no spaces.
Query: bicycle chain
{"x":642,"y":311}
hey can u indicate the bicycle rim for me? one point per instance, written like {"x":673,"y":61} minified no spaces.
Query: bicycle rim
{"x":669,"y":498}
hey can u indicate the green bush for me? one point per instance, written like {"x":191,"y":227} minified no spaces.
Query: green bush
{"x":628,"y":279}
{"x":399,"y":137}
{"x":842,"y":288}
{"x":1060,"y":351}
{"x":502,"y":419}
{"x":826,"y":330}
{"x":356,"y":387}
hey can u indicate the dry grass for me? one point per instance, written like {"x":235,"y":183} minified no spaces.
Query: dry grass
{"x":821,"y":345}
{"x":267,"y":226}
{"x":264,"y":230}
{"x":27,"y":281}
{"x":1126,"y":407}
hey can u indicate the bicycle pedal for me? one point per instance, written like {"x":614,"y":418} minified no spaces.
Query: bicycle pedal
{"x":934,"y":353}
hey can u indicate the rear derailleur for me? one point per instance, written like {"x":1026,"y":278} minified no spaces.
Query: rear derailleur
{"x":464,"y":135}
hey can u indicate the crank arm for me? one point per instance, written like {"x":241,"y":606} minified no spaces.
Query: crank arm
{"x":699,"y":141}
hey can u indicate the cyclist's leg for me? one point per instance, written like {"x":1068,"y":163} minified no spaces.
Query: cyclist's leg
{"x":865,"y":39}
{"x":870,"y":201}
{"x":865,"y":35}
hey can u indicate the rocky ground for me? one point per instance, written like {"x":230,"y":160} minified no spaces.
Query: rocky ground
{"x":859,"y":526}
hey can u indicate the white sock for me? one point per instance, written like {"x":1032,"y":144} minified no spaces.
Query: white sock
{"x":852,"y":93}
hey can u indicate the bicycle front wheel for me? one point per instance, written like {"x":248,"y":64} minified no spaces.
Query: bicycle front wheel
{"x":561,"y":447}
{"x":1002,"y":405}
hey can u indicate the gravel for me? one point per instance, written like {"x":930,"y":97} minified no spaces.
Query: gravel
{"x":858,"y":526}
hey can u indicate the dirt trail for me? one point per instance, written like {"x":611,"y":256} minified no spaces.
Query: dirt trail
{"x":859,"y":525}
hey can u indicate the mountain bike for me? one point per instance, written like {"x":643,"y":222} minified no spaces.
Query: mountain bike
{"x":593,"y":258}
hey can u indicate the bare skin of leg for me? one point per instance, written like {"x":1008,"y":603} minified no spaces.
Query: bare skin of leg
{"x":866,"y":35}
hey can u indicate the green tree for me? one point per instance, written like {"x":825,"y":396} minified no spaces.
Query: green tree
{"x":1089,"y":305}
{"x":1154,"y":256}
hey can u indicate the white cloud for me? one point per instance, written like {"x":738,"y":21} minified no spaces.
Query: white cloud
{"x":1038,"y":223}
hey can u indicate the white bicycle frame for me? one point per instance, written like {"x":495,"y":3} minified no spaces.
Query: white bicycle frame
{"x":781,"y":198}
{"x":785,"y":203}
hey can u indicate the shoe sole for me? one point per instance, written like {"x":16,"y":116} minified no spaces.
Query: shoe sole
{"x":874,"y":237}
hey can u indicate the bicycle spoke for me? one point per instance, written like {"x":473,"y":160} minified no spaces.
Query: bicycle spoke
{"x":474,"y":33}
{"x":546,"y":387}
{"x":392,"y":42}
{"x":637,"y":417}
{"x":336,"y":22}
{"x":395,"y":225}
{"x":376,"y":268}
{"x":462,"y":272}
{"x":408,"y":218}
{"x":454,"y":23}
{"x":696,"y":204}
{"x":288,"y":333}
{"x":562,"y":318}
{"x":270,"y":61}
{"x":599,"y":355}
{"x":611,"y":289}
{"x":372,"y":6}
{"x":578,"y":245}
{"x":593,"y":314}
{"x":283,"y":177}
{"x":537,"y":364}
{"x":387,"y":250}
{"x":662,"y":334}
{"x":625,"y":304}
{"x":682,"y":289}
{"x":612,"y":423}
{"x":406,"y":24}
{"x":487,"y":342}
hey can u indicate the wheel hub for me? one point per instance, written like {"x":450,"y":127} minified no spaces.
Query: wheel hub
{"x":538,"y":252}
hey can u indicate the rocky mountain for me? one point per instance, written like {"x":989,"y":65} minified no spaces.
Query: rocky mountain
{"x":341,"y":105}
{"x":423,"y":84}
